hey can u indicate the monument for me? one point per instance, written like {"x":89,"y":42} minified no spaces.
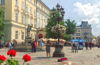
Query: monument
{"x":26,"y":46}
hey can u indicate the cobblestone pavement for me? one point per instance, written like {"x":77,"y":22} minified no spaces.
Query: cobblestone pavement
{"x":83,"y":57}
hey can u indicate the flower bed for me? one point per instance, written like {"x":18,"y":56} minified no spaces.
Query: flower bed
{"x":12,"y":61}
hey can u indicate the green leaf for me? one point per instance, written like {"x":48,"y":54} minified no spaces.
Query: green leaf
{"x":28,"y":64}
{"x":1,"y":62}
{"x":12,"y":62}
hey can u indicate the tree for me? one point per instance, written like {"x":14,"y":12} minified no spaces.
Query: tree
{"x":66,"y":37}
{"x":52,"y":22}
{"x":2,"y":23}
{"x":70,"y":26}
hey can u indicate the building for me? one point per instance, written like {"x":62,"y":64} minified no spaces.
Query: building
{"x":84,"y":31}
{"x":43,"y":13}
{"x":21,"y":13}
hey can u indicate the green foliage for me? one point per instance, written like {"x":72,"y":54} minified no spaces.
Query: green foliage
{"x":52,"y":22}
{"x":66,"y":37}
{"x":1,"y":62}
{"x":2,"y":21}
{"x":70,"y":26}
{"x":12,"y":62}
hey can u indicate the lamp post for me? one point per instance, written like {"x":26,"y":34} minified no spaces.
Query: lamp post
{"x":58,"y":15}
{"x":58,"y":18}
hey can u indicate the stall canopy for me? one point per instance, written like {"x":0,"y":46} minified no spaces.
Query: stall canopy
{"x":77,"y":40}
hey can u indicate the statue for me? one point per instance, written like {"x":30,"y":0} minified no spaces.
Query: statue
{"x":28,"y":30}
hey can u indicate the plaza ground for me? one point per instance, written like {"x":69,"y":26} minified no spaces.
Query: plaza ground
{"x":83,"y":57}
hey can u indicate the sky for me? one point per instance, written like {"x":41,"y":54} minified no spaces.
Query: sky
{"x":80,"y":10}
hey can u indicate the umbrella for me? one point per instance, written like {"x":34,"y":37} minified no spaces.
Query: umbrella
{"x":81,"y":40}
{"x":74,"y":40}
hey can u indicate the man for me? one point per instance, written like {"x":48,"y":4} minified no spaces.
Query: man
{"x":76,"y":46}
{"x":86,"y":45}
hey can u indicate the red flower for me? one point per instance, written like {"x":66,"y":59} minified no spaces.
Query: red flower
{"x":2,"y":58}
{"x":11,"y":53}
{"x":40,"y":35}
{"x":26,"y":57}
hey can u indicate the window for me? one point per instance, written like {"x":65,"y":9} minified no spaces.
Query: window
{"x":2,"y":2}
{"x":35,"y":1}
{"x":23,"y":5}
{"x":30,"y":10}
{"x":27,"y":8}
{"x":78,"y":30}
{"x":35,"y":13}
{"x":16,"y":16}
{"x":22,"y":35}
{"x":31,"y":21}
{"x":16,"y":35}
{"x":77,"y":34}
{"x":26,"y":19}
{"x":23,"y":19}
{"x":16,"y":2}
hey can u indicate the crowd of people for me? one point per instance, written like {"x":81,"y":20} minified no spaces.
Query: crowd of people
{"x":9,"y":44}
{"x":40,"y":43}
{"x":79,"y":45}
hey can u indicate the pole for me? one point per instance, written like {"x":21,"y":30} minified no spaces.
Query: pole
{"x":58,"y":30}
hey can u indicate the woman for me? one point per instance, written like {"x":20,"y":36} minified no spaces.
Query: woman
{"x":48,"y":48}
{"x":41,"y":43}
{"x":86,"y":45}
{"x":34,"y":46}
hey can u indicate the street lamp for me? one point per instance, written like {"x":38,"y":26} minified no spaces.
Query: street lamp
{"x":58,"y":15}
{"x":58,"y":18}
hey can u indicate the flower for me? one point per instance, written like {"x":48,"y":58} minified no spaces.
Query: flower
{"x":62,"y":59}
{"x":2,"y":58}
{"x":26,"y":57}
{"x":40,"y":35}
{"x":59,"y":28}
{"x":11,"y":53}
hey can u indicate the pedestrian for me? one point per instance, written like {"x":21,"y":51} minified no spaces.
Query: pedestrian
{"x":34,"y":46}
{"x":90,"y":45}
{"x":76,"y":46}
{"x":12,"y":43}
{"x":9,"y":45}
{"x":41,"y":43}
{"x":86,"y":45}
{"x":72,"y":45}
{"x":48,"y":48}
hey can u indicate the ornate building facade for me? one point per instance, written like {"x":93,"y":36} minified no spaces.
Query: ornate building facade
{"x":21,"y":13}
{"x":84,"y":31}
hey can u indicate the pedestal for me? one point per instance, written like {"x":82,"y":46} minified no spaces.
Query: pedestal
{"x":58,"y":51}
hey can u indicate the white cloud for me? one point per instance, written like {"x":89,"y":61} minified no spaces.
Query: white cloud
{"x":91,"y":13}
{"x":94,"y":20}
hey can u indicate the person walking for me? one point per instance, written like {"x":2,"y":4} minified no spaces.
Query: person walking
{"x":86,"y":45}
{"x":41,"y":43}
{"x":9,"y":45}
{"x":72,"y":45}
{"x":34,"y":46}
{"x":90,"y":45}
{"x":48,"y":48}
{"x":76,"y":46}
